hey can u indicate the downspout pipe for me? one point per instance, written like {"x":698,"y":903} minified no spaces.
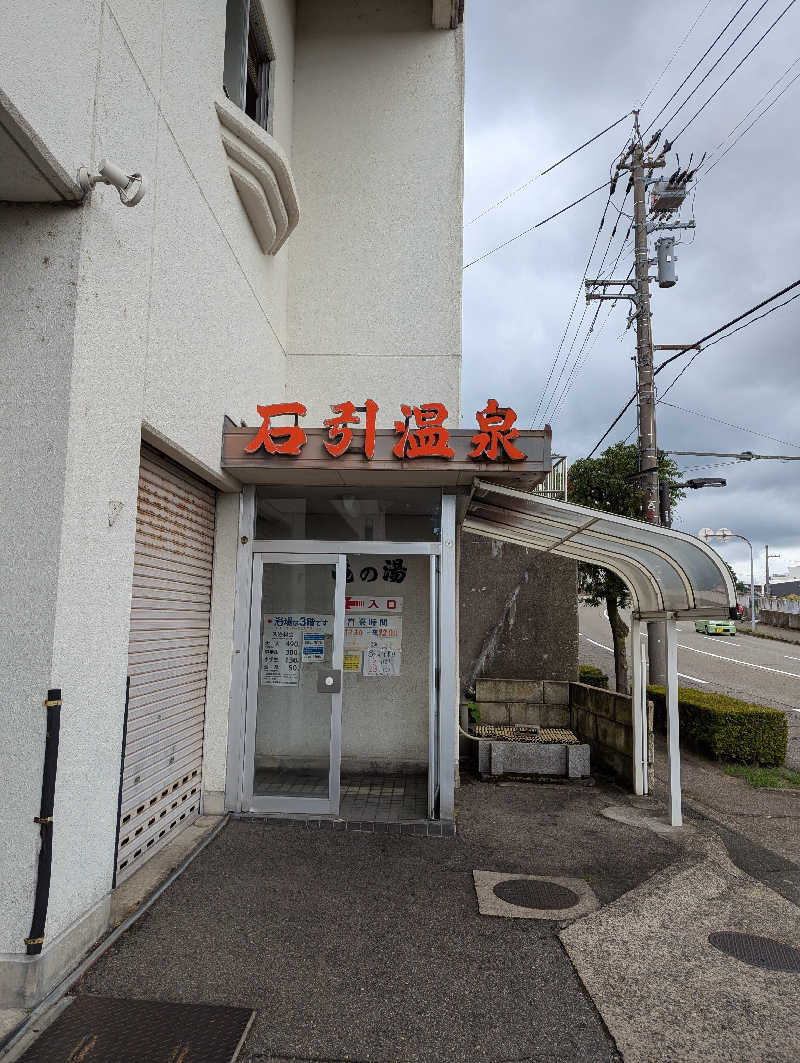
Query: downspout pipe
{"x":35,"y":940}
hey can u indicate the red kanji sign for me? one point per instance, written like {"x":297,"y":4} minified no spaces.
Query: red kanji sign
{"x":279,"y":439}
{"x":427,"y":438}
{"x":422,"y":432}
{"x":341,"y":433}
{"x":495,"y":423}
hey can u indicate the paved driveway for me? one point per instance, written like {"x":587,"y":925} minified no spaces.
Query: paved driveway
{"x":355,"y":946}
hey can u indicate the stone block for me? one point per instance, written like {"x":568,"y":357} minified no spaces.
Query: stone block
{"x":484,"y":757}
{"x":493,"y":712}
{"x":555,"y":692}
{"x":585,"y":724}
{"x":578,"y":761}
{"x":528,"y":758}
{"x":524,"y":712}
{"x":508,"y":690}
{"x":606,"y":732}
{"x":555,"y":716}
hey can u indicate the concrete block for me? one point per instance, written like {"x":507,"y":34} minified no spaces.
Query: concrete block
{"x":527,"y":758}
{"x":524,"y":712}
{"x":555,"y":692}
{"x":507,"y":690}
{"x":493,"y":712}
{"x":555,"y":716}
{"x":578,"y":761}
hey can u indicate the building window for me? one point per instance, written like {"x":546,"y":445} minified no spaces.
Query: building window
{"x":249,"y":60}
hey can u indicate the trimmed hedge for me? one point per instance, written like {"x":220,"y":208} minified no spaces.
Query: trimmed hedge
{"x":726,"y":727}
{"x":592,"y":676}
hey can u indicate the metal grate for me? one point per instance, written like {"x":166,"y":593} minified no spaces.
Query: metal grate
{"x":106,"y":1030}
{"x":757,"y":951}
{"x":535,"y":893}
{"x":515,"y":732}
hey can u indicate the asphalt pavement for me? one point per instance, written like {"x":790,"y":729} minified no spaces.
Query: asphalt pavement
{"x":761,"y":671}
{"x":370,"y":947}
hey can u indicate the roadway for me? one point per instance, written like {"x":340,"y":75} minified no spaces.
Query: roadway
{"x":762,"y":671}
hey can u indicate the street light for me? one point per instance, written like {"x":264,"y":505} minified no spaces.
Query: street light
{"x":724,"y":534}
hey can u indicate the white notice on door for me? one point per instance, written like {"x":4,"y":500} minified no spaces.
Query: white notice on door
{"x":280,"y":657}
{"x":379,"y":661}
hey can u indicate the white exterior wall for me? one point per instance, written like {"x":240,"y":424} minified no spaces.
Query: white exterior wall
{"x":375,"y":266}
{"x":157,"y":319}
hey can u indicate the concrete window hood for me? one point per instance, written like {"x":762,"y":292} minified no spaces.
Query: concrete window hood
{"x":260,"y":171}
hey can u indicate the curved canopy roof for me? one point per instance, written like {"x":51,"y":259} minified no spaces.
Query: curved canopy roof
{"x":669,"y":573}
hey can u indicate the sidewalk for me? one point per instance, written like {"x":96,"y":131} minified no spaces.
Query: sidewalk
{"x":787,"y":634}
{"x":371,"y":948}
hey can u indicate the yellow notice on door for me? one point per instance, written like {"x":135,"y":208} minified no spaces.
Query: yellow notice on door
{"x":352,"y":662}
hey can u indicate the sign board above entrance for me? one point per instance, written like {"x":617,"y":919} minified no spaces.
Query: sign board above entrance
{"x":421,"y":444}
{"x":422,"y":431}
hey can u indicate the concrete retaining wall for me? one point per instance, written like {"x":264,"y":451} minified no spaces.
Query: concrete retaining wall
{"x":518,"y":613}
{"x":780,"y":619}
{"x":603,"y":719}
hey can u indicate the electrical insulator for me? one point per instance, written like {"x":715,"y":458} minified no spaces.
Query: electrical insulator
{"x":665,"y":250}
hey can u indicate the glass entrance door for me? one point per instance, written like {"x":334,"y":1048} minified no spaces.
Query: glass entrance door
{"x":294,"y":699}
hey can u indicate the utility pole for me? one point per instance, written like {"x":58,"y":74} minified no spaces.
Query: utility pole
{"x":667,"y":198}
{"x":648,"y":452}
{"x":767,"y":556}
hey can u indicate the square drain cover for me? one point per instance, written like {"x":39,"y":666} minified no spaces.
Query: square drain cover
{"x":515,"y":896}
{"x":108,"y":1030}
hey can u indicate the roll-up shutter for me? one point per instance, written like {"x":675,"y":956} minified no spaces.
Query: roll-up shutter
{"x":167,"y":659}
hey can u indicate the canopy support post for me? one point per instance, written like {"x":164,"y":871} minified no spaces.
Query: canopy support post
{"x":673,"y":727}
{"x":639,"y":769}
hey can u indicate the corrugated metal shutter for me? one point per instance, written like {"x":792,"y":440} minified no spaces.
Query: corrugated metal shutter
{"x":167,"y":659}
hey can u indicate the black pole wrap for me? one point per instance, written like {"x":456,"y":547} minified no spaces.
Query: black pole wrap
{"x":45,"y":820}
{"x":121,"y":778}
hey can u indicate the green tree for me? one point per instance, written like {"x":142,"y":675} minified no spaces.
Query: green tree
{"x":738,"y":583}
{"x":609,"y":483}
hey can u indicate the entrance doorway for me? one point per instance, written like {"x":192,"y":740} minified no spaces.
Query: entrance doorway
{"x":342,"y":685}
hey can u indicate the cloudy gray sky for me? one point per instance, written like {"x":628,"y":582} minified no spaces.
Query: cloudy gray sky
{"x":543,"y":76}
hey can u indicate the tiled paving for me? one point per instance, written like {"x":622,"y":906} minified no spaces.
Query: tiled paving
{"x":365,"y":799}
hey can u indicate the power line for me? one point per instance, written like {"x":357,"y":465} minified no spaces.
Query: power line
{"x":680,"y":354}
{"x":572,"y":311}
{"x":557,"y":355}
{"x":744,"y":58}
{"x":716,"y":63}
{"x":699,"y":61}
{"x":756,"y":119}
{"x":675,"y":53}
{"x":549,"y":405}
{"x":536,"y":177}
{"x":579,"y":363}
{"x":728,"y":324}
{"x":538,"y":224}
{"x":730,"y":424}
{"x":757,"y":104}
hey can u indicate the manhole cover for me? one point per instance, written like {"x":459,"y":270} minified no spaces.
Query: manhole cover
{"x":534,"y":893}
{"x":102,"y":1029}
{"x":757,"y":951}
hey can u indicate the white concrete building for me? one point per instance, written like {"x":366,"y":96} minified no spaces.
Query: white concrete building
{"x":299,"y":239}
{"x":231,"y":477}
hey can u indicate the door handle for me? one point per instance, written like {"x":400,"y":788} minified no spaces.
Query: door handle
{"x":329,"y":681}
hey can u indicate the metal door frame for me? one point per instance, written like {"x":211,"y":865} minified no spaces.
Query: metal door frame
{"x":442,"y":684}
{"x":283,"y":804}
